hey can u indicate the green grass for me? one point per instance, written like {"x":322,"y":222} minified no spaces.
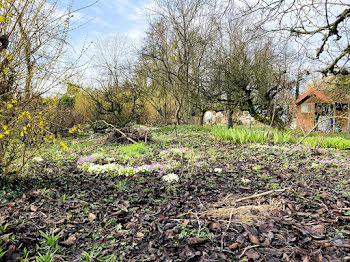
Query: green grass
{"x":330,"y":142}
{"x":244,"y":135}
{"x":182,"y":128}
{"x":133,"y":150}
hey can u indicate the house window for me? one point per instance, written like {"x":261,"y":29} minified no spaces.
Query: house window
{"x":306,"y":108}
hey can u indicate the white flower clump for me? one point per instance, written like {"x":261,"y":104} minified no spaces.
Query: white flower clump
{"x":164,"y":154}
{"x":97,"y":156}
{"x":177,"y":150}
{"x":143,"y":169}
{"x":217,"y":170}
{"x":116,"y":169}
{"x":38,"y":159}
{"x":100,"y":169}
{"x":170,"y":178}
{"x":245,"y":180}
{"x":182,"y":151}
{"x":110,"y":159}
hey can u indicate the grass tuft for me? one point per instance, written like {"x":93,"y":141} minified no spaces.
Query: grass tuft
{"x":261,"y":135}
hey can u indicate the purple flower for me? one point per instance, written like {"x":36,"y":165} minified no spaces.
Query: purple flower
{"x":161,"y":169}
{"x":201,"y":164}
{"x":83,"y":160}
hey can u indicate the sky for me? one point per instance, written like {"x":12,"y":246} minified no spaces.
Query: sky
{"x":106,"y":18}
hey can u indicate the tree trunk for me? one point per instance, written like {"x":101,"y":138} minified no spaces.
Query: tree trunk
{"x":230,"y":120}
{"x":177,"y":116}
{"x":201,"y":118}
{"x":277,"y":122}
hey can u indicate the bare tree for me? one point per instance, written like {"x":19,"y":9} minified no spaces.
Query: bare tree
{"x":250,"y":72}
{"x":115,"y":92}
{"x":178,"y":42}
{"x":319,"y":27}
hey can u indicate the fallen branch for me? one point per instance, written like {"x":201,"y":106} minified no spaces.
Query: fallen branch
{"x":246,"y":249}
{"x":119,"y":131}
{"x":259,"y":195}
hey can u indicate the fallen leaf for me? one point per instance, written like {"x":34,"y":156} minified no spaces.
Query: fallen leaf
{"x":317,"y":230}
{"x":92,"y":217}
{"x":70,"y":241}
{"x":33,"y":208}
{"x":252,"y":255}
{"x":130,"y":225}
{"x":140,"y":235}
{"x":253,"y":239}
{"x":186,"y":254}
{"x":195,"y":241}
{"x":10,"y":251}
{"x":234,"y":246}
{"x":61,"y":221}
{"x":216,"y":226}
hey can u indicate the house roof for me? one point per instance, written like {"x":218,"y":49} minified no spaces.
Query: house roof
{"x":326,"y":91}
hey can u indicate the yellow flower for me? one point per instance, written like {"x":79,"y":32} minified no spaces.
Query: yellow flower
{"x":22,"y":134}
{"x":5,"y":127}
{"x":9,"y":106}
{"x":63,"y":145}
{"x":1,"y":136}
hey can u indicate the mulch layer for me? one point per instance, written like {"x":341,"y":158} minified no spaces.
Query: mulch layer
{"x":264,"y":205}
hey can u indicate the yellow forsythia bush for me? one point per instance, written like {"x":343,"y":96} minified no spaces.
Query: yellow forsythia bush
{"x":24,"y":122}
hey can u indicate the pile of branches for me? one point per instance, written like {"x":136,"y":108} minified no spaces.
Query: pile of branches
{"x":127,"y":135}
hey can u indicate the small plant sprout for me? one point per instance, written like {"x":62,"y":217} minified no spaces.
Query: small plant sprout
{"x":3,"y":228}
{"x":257,"y":168}
{"x":93,"y":255}
{"x":2,"y":252}
{"x":264,"y":176}
{"x":47,"y":257}
{"x":50,"y":239}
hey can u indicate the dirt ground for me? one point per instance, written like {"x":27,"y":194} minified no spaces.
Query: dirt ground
{"x":231,"y":203}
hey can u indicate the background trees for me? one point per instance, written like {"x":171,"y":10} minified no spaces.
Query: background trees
{"x":251,"y":72}
{"x":114,"y":91}
{"x":176,"y":50}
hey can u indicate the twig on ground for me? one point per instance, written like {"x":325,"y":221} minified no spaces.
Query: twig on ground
{"x":223,"y":233}
{"x":199,"y":225}
{"x":246,"y":249}
{"x":259,"y":195}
